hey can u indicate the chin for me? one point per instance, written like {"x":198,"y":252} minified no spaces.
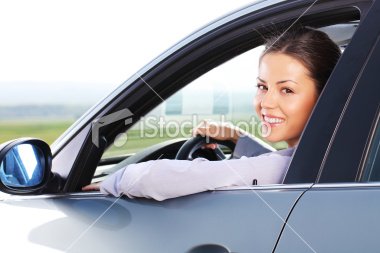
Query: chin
{"x":273,"y":139}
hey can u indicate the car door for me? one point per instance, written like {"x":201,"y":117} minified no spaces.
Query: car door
{"x":340,"y":213}
{"x":223,"y":221}
{"x":248,"y":219}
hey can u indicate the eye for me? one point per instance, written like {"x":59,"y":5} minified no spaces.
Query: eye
{"x":286,"y":91}
{"x":262,"y":87}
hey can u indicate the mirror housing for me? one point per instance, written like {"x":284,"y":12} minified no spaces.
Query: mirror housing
{"x":25,"y":166}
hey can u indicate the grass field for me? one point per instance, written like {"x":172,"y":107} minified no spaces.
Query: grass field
{"x":47,"y":130}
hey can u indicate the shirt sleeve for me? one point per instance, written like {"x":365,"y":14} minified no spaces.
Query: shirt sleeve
{"x":164,"y":179}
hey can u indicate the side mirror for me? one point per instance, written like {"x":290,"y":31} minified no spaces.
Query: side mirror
{"x":25,"y":166}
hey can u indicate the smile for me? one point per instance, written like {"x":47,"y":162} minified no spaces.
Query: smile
{"x":273,"y":120}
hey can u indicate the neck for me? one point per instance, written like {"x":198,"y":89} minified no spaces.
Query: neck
{"x":292,"y":143}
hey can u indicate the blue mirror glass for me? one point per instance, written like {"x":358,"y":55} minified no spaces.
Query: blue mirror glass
{"x":22,"y":166}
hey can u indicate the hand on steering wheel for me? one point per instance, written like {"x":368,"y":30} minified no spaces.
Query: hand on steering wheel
{"x":197,"y":142}
{"x":217,"y":131}
{"x":207,"y":135}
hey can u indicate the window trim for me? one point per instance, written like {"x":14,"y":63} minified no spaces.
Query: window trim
{"x":301,"y":186}
{"x":349,"y":186}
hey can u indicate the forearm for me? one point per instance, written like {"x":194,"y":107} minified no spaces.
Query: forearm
{"x":163,"y":179}
{"x":160,"y":179}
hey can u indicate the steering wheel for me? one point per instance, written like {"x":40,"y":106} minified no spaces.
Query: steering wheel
{"x":195,"y":143}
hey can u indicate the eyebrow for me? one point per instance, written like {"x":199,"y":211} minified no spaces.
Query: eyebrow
{"x":279,"y":82}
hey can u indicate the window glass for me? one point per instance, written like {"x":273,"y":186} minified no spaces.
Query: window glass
{"x":372,"y":165}
{"x":174,"y":105}
{"x":224,"y":94}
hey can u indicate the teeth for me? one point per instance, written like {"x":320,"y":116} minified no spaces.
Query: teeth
{"x":273,"y":120}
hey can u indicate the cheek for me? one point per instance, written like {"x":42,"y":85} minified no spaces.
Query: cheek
{"x":300,"y":108}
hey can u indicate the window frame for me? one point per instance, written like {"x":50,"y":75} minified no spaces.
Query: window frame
{"x":356,"y":123}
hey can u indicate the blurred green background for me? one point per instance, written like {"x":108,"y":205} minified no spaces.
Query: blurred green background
{"x":47,"y":130}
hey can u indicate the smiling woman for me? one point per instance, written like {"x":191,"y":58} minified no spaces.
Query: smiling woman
{"x":293,"y":71}
{"x":286,"y":95}
{"x":288,"y":89}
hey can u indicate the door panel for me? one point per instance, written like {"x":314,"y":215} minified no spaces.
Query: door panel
{"x":238,"y":219}
{"x":334,"y":220}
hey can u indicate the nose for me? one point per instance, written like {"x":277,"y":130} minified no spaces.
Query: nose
{"x":269,"y":99}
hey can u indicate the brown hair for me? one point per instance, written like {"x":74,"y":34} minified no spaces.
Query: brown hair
{"x":313,"y":48}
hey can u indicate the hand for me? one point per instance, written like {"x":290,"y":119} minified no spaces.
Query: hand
{"x":218,"y":131}
{"x":91,"y":187}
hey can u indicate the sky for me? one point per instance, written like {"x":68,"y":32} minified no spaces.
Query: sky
{"x":77,"y":51}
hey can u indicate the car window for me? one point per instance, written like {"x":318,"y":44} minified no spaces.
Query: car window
{"x":371,"y":170}
{"x":224,"y":94}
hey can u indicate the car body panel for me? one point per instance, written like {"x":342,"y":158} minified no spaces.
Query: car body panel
{"x":334,"y":219}
{"x":89,"y":222}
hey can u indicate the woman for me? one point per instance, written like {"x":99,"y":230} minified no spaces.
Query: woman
{"x":293,"y":70}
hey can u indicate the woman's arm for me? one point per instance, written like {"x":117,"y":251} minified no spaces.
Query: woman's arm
{"x":163,"y":179}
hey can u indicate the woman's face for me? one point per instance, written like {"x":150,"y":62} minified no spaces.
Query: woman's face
{"x":285,"y":97}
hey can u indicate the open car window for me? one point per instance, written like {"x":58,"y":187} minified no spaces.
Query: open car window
{"x":223,"y":94}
